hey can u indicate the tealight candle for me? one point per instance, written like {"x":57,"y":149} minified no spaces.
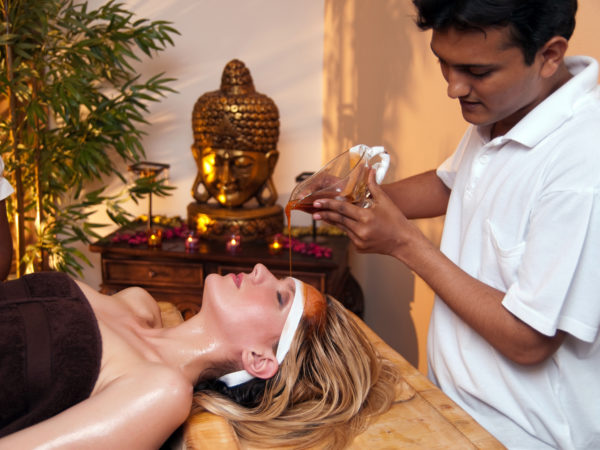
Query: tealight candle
{"x":154,"y":238}
{"x":191,"y":242}
{"x":234,"y":243}
{"x":275,"y":246}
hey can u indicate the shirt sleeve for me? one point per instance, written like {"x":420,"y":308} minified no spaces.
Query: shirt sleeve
{"x":559,"y":278}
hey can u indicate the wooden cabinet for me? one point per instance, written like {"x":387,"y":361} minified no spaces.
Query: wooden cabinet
{"x":171,"y":273}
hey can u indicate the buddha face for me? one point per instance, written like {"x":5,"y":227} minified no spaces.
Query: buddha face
{"x":232,"y":177}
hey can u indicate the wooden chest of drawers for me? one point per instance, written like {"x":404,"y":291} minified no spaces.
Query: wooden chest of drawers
{"x":173,"y":274}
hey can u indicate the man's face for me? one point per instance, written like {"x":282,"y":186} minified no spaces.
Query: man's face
{"x":488,"y":75}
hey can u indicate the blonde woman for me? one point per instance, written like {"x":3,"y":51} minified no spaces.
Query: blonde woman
{"x":283,"y":363}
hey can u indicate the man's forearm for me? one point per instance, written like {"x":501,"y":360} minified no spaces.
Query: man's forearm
{"x":478,"y":304}
{"x":420,"y":196}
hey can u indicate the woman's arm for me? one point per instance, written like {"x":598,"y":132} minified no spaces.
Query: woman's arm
{"x":137,"y":411}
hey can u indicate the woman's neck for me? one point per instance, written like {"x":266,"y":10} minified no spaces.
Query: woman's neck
{"x":190,"y":347}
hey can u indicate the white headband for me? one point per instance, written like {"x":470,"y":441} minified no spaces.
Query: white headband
{"x":285,"y":341}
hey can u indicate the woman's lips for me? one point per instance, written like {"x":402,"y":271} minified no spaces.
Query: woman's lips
{"x":237,"y":279}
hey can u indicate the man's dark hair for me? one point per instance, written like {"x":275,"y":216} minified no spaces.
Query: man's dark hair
{"x":532,"y":22}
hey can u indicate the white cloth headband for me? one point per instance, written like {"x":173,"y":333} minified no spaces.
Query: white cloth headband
{"x":285,"y":340}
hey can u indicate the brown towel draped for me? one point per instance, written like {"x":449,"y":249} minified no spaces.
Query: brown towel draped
{"x":50,"y":348}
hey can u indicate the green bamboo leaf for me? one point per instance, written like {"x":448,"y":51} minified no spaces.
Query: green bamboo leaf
{"x":67,"y":126}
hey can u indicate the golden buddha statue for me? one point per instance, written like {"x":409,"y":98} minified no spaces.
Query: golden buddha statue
{"x":235,"y":147}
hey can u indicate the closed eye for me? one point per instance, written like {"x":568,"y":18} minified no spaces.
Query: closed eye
{"x":285,"y":296}
{"x":479,"y":73}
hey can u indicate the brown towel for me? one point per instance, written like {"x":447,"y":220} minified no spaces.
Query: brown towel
{"x":50,"y":348}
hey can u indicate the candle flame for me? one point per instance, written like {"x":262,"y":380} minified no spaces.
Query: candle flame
{"x":202,"y":223}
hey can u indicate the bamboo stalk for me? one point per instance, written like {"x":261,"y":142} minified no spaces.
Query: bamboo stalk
{"x":42,"y":257}
{"x":14,"y":143}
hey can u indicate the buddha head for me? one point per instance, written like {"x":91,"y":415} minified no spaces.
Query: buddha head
{"x":235,"y":142}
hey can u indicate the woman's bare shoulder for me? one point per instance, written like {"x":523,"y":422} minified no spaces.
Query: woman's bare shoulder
{"x":135,"y":300}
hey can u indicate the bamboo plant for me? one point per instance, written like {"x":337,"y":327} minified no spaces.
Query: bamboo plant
{"x":71,"y":107}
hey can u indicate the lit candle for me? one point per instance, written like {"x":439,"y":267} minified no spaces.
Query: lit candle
{"x":203,"y":222}
{"x":233,"y":245}
{"x":191,"y":242}
{"x":275,"y":246}
{"x":154,"y":238}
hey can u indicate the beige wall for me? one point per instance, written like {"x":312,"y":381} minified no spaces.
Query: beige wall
{"x":382,"y":86}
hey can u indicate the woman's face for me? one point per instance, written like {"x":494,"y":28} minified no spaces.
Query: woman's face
{"x":251,"y":307}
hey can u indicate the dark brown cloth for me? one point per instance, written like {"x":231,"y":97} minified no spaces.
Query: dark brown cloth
{"x":50,"y":348}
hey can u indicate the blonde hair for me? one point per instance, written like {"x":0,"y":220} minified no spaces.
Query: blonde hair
{"x":324,"y":396}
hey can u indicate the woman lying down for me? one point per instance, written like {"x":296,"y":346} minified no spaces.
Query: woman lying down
{"x":283,"y":363}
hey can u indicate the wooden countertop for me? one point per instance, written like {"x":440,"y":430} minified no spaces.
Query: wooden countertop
{"x":422,"y":417}
{"x":430,"y":419}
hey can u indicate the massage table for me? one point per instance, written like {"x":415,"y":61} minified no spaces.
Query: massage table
{"x":422,"y":416}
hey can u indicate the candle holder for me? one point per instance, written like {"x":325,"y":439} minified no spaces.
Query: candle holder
{"x":154,"y":237}
{"x":275,"y":245}
{"x":192,"y":242}
{"x":234,"y":244}
{"x":150,"y":170}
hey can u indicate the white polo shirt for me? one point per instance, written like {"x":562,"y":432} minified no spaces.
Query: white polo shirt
{"x":524,"y":217}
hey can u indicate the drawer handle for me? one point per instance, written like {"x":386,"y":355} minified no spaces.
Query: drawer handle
{"x":151,"y":273}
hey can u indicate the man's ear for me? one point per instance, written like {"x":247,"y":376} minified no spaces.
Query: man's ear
{"x":260,"y":364}
{"x":553,"y":54}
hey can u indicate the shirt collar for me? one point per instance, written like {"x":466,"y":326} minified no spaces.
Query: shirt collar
{"x":556,"y":109}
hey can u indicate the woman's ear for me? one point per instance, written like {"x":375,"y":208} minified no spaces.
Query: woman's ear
{"x":260,"y":364}
{"x":553,"y":54}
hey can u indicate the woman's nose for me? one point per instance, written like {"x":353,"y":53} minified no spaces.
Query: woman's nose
{"x":267,"y":274}
{"x":260,"y":271}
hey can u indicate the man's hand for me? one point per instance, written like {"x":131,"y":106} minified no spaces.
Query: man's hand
{"x":381,"y":228}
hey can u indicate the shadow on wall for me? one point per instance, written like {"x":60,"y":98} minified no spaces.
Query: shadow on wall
{"x":367,"y":59}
